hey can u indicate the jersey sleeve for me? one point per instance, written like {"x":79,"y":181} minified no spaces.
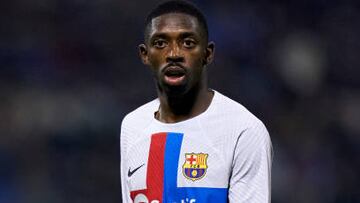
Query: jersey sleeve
{"x":123,"y":164}
{"x":251,"y":168}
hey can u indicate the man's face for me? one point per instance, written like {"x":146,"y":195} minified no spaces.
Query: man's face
{"x":176,"y":49}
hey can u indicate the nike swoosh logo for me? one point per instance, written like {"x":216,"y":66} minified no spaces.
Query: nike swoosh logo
{"x":131,"y":172}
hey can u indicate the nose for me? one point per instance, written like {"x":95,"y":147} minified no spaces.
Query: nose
{"x":175,"y":54}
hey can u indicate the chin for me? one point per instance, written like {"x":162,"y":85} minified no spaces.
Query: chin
{"x":172,"y":90}
{"x":175,"y":89}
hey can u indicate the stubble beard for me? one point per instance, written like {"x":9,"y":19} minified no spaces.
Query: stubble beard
{"x":171,"y":90}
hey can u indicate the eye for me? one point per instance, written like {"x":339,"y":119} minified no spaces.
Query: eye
{"x":159,"y":43}
{"x":189,"y":43}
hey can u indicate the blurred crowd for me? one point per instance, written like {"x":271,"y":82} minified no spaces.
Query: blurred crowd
{"x":69,"y":72}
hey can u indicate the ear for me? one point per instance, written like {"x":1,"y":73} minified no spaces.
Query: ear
{"x":143,"y":53}
{"x":209,"y":55}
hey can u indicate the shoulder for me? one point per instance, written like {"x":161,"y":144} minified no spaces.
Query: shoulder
{"x":249,"y":130}
{"x":141,"y":116}
{"x":233,"y":117}
{"x":235,"y":112}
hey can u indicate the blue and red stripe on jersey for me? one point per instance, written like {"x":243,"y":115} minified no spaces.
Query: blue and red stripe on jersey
{"x":162,"y":170}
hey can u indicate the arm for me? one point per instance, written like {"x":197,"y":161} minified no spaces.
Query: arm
{"x":123,"y":166}
{"x":251,"y":168}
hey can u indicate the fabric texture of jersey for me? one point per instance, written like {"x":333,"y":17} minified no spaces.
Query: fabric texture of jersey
{"x":221,"y":155}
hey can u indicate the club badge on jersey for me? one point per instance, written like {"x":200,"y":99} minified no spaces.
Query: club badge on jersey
{"x":195,"y":165}
{"x":159,"y":183}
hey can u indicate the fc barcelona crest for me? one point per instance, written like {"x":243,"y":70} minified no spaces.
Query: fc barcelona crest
{"x":195,"y":166}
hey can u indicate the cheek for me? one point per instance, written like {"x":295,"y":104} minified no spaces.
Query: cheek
{"x":196,"y":60}
{"x":156,"y":57}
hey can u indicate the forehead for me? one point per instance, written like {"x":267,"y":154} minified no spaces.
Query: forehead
{"x":174,"y":22}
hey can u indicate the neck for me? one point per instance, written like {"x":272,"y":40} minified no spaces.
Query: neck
{"x":176,"y":108}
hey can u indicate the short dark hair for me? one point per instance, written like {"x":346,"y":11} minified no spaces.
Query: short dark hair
{"x":176,"y":6}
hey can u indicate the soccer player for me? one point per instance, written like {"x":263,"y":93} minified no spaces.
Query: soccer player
{"x":192,"y":144}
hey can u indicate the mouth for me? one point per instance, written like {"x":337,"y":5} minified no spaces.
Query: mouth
{"x":174,"y":75}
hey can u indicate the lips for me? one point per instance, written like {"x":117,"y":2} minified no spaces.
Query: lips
{"x":173,"y":71}
{"x":174,"y":74}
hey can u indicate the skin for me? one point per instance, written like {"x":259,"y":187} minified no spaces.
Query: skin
{"x":177,"y":42}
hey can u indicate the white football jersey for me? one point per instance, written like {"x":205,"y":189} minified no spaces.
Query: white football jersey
{"x":221,"y":155}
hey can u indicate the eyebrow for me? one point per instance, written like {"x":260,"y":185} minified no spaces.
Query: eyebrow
{"x":187,"y":34}
{"x":165,"y":35}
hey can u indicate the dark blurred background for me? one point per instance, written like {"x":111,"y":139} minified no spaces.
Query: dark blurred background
{"x":70,"y":72}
